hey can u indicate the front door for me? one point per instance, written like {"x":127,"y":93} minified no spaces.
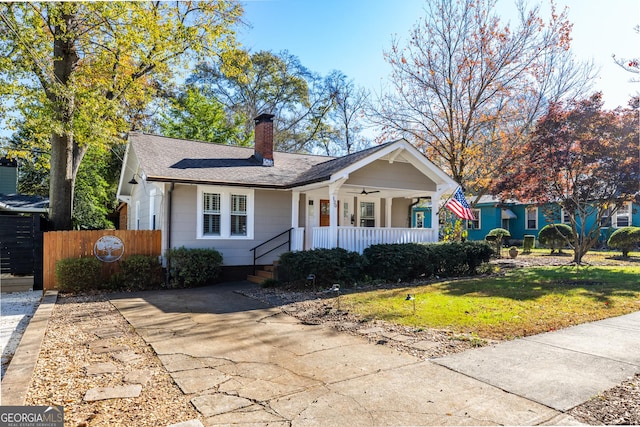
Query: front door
{"x":325,"y":207}
{"x":324,"y":213}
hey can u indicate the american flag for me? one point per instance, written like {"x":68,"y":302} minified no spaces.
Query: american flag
{"x":459,"y":206}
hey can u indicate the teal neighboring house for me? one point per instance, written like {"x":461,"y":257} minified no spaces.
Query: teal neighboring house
{"x":421,"y":214}
{"x":522,"y":219}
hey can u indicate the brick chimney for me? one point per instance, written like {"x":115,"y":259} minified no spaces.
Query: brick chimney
{"x":263,"y":150}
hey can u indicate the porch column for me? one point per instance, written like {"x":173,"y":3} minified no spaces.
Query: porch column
{"x":333,"y":212}
{"x":333,"y":217}
{"x":297,"y":244}
{"x":435,"y":209}
{"x":387,"y":213}
{"x":295,"y":208}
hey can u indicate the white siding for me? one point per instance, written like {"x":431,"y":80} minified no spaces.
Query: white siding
{"x":142,"y":193}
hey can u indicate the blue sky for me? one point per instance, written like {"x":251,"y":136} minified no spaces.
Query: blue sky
{"x":351,"y":35}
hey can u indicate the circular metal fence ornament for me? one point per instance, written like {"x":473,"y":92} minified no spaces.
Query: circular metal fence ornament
{"x":108,"y":248}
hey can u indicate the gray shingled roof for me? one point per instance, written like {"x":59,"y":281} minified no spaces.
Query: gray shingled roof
{"x":178,"y":160}
{"x":323,"y":171}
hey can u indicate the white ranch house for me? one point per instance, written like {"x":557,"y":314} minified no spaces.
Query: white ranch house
{"x":234,"y":199}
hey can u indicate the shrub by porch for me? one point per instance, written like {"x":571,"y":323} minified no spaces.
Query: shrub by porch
{"x":388,"y":262}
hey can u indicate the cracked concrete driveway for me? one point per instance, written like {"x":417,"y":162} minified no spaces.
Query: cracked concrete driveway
{"x":245,"y":363}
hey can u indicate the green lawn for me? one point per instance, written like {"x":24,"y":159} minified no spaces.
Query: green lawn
{"x":521,"y":302}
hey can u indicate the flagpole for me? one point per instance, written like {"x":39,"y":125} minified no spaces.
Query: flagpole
{"x":451,"y":195}
{"x":447,"y":201}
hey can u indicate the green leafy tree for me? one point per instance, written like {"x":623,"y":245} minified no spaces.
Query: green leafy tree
{"x":80,"y":66}
{"x":273,"y":83}
{"x":192,"y":115}
{"x":95,"y":183}
{"x":30,"y":149}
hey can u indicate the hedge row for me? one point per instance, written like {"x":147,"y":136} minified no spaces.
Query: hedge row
{"x":388,"y":262}
{"x":187,"y":268}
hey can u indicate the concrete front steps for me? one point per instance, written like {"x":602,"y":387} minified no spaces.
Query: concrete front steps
{"x":263,"y":273}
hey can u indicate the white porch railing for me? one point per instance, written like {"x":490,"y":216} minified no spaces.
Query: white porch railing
{"x":297,"y":239}
{"x":357,"y":239}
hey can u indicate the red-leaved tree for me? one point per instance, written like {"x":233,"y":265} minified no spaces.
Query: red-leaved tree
{"x":583,"y":158}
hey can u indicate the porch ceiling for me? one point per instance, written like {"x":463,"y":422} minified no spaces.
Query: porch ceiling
{"x":355,"y":190}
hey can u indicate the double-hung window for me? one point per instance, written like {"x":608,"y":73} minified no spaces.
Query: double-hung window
{"x":224,"y":213}
{"x":211,"y":214}
{"x":238,"y":214}
{"x":474,"y":224}
{"x":605,"y":218}
{"x":367,"y":214}
{"x":622,"y":218}
{"x":532,"y":218}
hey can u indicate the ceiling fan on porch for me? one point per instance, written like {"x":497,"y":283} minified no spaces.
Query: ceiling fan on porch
{"x":364,"y":192}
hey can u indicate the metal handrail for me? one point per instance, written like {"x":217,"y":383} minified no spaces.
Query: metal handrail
{"x":255,"y":258}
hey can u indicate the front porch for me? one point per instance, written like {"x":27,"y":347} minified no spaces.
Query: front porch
{"x":357,"y":239}
{"x":368,"y":201}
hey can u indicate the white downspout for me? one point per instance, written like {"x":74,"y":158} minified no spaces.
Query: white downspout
{"x":295,"y":209}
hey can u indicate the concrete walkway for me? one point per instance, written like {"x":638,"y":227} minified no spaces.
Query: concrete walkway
{"x":560,"y":369}
{"x":242,"y":362}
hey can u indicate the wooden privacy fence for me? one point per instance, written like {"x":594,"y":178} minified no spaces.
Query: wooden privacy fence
{"x":59,"y":245}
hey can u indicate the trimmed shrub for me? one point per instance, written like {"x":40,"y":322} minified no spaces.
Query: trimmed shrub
{"x":498,"y":235}
{"x":402,"y":262}
{"x":328,"y":265}
{"x":625,"y":239}
{"x":78,"y":274}
{"x":477,"y":253}
{"x":459,"y":258}
{"x":555,"y":236}
{"x":137,"y":273}
{"x":529,"y":243}
{"x":193,"y":267}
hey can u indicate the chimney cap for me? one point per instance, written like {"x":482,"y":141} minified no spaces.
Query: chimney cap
{"x":264,"y":117}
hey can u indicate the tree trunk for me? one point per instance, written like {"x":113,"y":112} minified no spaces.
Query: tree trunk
{"x":65,"y":154}
{"x":61,"y":183}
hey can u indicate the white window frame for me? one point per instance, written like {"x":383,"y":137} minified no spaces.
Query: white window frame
{"x":564,"y":217}
{"x":419,"y":219}
{"x":152,"y":209}
{"x":376,"y":214}
{"x":136,"y":225}
{"x":225,"y":212}
{"x":626,"y":213}
{"x":215,"y":212}
{"x":471,"y":223}
{"x":526,"y":217}
{"x":606,"y":220}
